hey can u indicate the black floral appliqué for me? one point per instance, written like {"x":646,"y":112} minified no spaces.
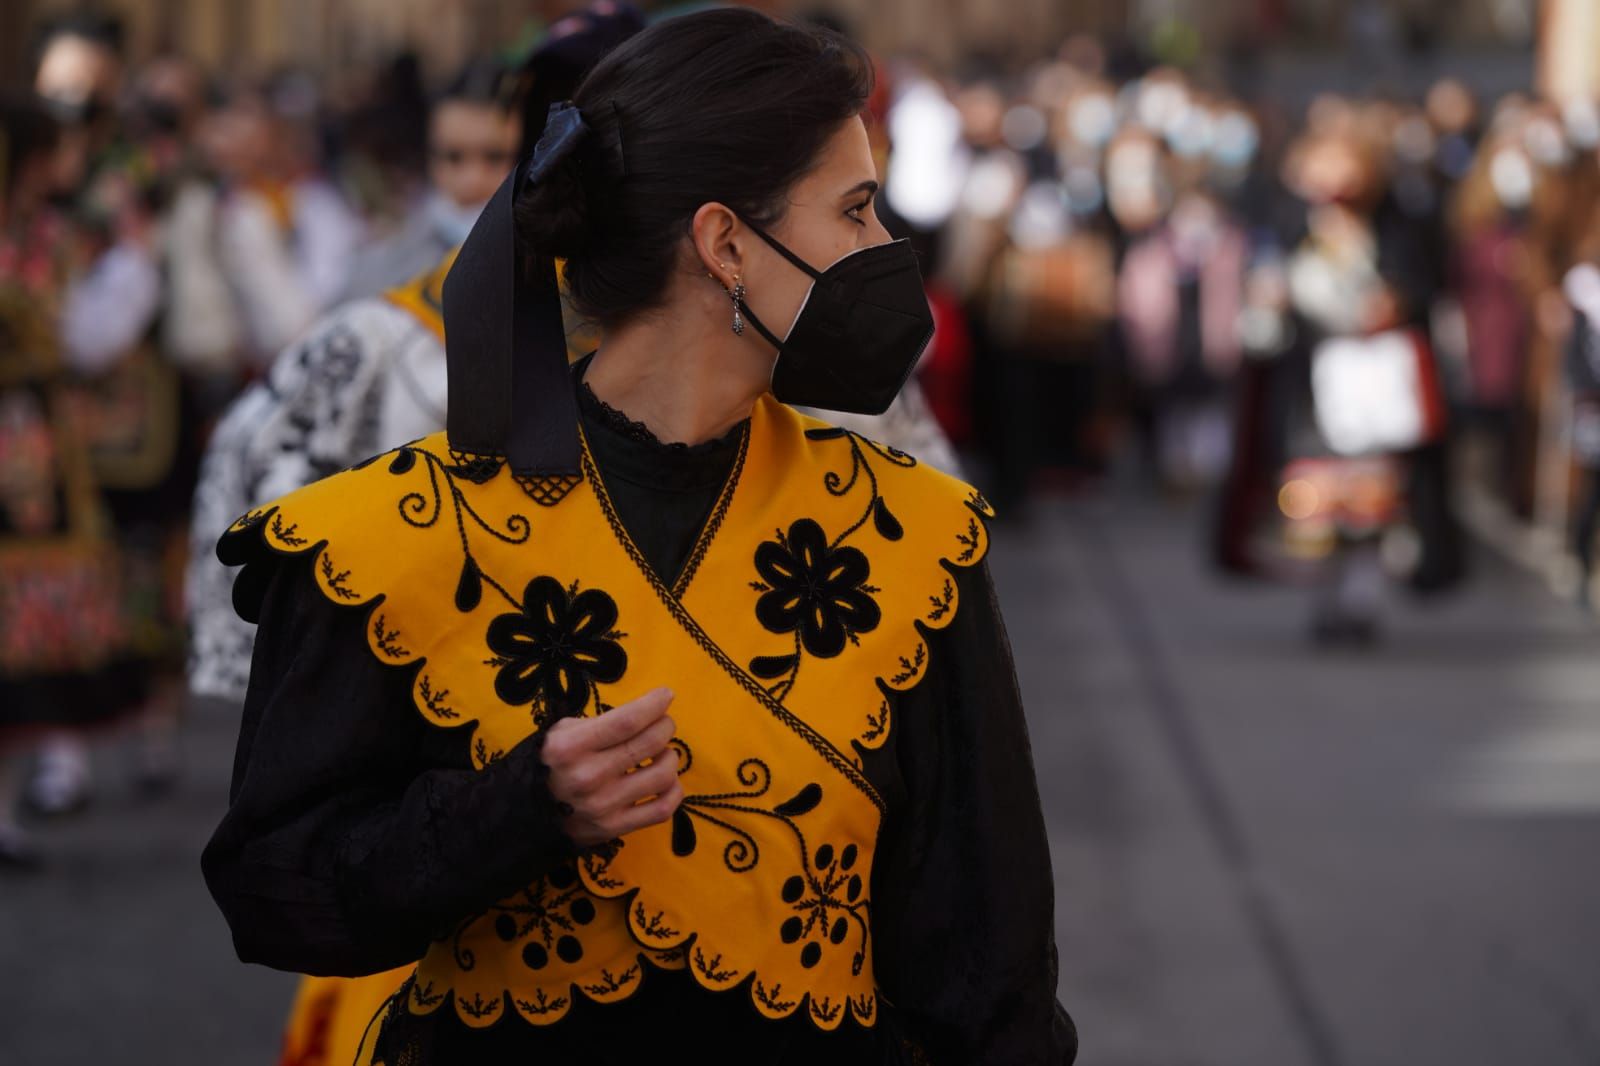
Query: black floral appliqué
{"x":554,"y":651}
{"x":827,"y":902}
{"x":814,"y":589}
{"x":543,"y":924}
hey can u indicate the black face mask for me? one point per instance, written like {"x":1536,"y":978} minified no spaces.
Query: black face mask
{"x":859,"y":333}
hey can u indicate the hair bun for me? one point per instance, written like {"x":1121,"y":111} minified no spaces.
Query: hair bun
{"x":552,"y":216}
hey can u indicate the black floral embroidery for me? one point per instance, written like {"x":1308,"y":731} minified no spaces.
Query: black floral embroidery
{"x":486,"y":755}
{"x":866,"y":1005}
{"x":877,"y":509}
{"x":546,"y":918}
{"x":771,"y":998}
{"x":912,"y":667}
{"x":969,"y":542}
{"x":711,"y":968}
{"x":597,"y":864}
{"x":542,"y":1003}
{"x":877,"y":723}
{"x":388,"y":640}
{"x":288,"y":533}
{"x":336,"y":580}
{"x":434,"y":699}
{"x":827,"y":898}
{"x":762,"y":695}
{"x":423,"y":510}
{"x":651,"y":925}
{"x":742,"y":853}
{"x":825,"y":1009}
{"x":555,"y":650}
{"x":478,"y":1007}
{"x":814,"y":589}
{"x":609,"y":983}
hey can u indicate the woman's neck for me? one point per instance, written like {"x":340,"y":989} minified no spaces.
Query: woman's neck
{"x":684,"y":383}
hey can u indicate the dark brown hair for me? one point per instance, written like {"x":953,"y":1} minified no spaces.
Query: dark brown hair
{"x":726,"y":105}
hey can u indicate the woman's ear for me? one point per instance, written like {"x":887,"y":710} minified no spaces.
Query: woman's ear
{"x":716,"y":232}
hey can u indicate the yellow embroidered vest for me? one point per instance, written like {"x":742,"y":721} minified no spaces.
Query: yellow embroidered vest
{"x":804,"y":606}
{"x":423,"y":295}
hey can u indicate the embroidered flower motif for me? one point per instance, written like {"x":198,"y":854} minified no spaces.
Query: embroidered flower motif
{"x":546,"y":919}
{"x":543,"y":923}
{"x":821,"y":592}
{"x":826,"y":901}
{"x":553,"y":652}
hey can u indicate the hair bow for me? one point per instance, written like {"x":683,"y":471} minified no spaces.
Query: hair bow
{"x":511,"y":392}
{"x":564,"y":130}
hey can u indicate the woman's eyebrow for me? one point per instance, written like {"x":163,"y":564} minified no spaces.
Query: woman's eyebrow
{"x":868,"y":187}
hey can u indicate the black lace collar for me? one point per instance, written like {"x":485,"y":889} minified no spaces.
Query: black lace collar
{"x":623,"y":426}
{"x":598,"y":411}
{"x":626,"y":448}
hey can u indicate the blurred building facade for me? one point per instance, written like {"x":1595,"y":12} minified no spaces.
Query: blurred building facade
{"x":325,"y":35}
{"x":254,"y":36}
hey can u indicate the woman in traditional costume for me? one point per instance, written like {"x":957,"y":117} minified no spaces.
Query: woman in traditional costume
{"x":456,"y":743}
{"x":64,"y":627}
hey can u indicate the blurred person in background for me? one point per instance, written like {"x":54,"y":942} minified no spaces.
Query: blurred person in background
{"x":64,"y":632}
{"x":1358,"y":283}
{"x":472,"y":142}
{"x":1455,"y":115}
{"x":286,"y":237}
{"x":368,"y":376}
{"x":1561,"y":234}
{"x":377,"y":134}
{"x":1180,"y":295}
{"x":1029,"y":256}
{"x":1582,"y":290}
{"x":125,"y":395}
{"x":644,"y":111}
{"x":1490,"y":222}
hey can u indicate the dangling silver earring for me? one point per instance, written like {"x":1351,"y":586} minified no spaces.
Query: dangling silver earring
{"x":738,"y":303}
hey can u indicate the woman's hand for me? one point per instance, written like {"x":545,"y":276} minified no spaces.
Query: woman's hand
{"x":595,"y":769}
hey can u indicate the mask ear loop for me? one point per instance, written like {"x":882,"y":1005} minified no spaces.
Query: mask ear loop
{"x":816,"y":275}
{"x":743,"y":314}
{"x":739,"y":294}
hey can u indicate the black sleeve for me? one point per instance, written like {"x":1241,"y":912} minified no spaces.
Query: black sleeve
{"x":357,"y":832}
{"x":965,"y":950}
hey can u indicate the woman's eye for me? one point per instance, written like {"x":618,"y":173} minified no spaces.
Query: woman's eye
{"x":855,"y":212}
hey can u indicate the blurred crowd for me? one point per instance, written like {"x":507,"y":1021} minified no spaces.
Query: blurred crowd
{"x":1327,"y":322}
{"x":165,"y":233}
{"x":1335,"y":323}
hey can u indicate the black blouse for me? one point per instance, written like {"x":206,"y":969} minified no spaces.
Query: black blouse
{"x":358,"y":832}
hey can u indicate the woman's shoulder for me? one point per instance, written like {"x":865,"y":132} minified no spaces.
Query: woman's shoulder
{"x":886,"y":453}
{"x":338,"y":508}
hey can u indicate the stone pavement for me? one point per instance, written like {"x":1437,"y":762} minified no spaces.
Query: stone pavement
{"x":1265,"y":856}
{"x":1270,"y":856}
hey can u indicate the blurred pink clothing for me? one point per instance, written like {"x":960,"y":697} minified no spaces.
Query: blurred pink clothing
{"x":1496,"y":314}
{"x":1149,"y":305}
